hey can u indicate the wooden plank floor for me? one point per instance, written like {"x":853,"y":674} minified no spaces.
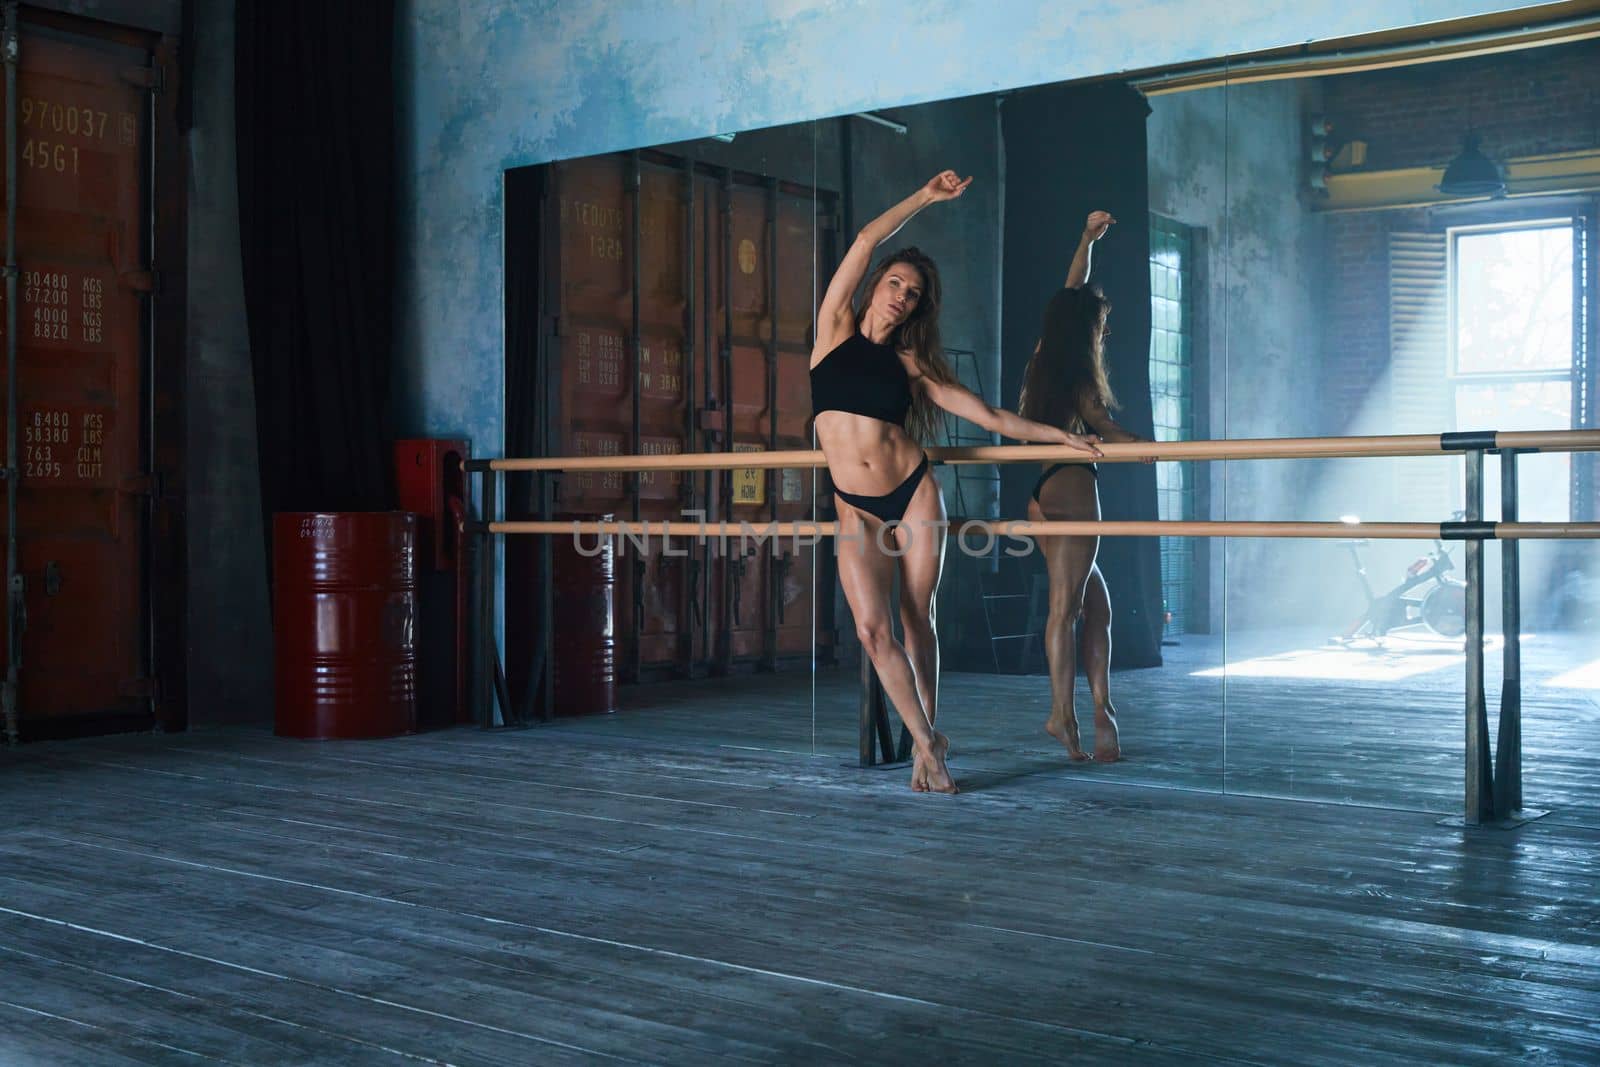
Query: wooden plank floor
{"x":1290,"y":717}
{"x":569,"y":895}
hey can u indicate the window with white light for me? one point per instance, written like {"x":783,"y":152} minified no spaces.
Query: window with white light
{"x":1511,"y":348}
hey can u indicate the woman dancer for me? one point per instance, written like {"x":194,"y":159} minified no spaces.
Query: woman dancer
{"x":877,"y":373}
{"x":1066,"y":385}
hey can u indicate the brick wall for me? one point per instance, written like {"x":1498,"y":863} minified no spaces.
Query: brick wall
{"x":1522,"y":103}
{"x":1356,"y":344}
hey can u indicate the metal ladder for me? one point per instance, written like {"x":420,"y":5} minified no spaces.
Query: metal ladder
{"x":959,"y":433}
{"x":1029,"y":606}
{"x":1018,"y":631}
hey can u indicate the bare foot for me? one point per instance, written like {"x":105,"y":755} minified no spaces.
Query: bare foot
{"x":929,"y":774}
{"x":1066,"y":731}
{"x":1106,"y":748}
{"x":919,"y":773}
{"x":919,"y":770}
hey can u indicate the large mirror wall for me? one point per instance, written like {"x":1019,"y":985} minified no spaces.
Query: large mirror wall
{"x":1283,"y":263}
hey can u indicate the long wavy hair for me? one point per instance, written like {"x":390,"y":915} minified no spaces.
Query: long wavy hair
{"x":1068,"y":372}
{"x":919,"y":335}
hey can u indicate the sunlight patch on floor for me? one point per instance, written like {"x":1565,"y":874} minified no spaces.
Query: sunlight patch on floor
{"x":1363,"y":661}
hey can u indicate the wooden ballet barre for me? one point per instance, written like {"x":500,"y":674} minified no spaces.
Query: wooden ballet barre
{"x":1404,"y":445}
{"x":676,"y":461}
{"x":1390,"y":531}
{"x":1165,"y":451}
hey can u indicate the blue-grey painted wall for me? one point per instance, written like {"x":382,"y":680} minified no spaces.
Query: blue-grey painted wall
{"x":489,"y":84}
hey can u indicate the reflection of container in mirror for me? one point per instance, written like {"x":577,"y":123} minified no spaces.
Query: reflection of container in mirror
{"x":584,"y":586}
{"x":710,"y":270}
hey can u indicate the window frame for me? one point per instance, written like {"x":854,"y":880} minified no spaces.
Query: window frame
{"x":1453,"y":371}
{"x":1573,"y":374}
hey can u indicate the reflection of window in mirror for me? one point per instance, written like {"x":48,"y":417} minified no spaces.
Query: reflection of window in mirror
{"x":1458,"y":204}
{"x":1172,"y":382}
{"x":1482,"y":325}
{"x":1401,"y":242}
{"x":1511,"y":333}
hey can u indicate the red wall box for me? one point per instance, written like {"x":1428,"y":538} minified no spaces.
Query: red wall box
{"x":428,"y":475}
{"x":344,"y":622}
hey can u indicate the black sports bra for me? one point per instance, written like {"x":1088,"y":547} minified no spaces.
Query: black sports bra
{"x":863,"y":378}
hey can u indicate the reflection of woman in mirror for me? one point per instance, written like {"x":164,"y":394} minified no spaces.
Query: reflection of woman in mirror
{"x":1065,"y":385}
{"x":877,"y":373}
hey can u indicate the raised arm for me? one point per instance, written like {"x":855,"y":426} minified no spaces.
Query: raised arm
{"x":961,"y":401}
{"x":1094,"y":228}
{"x":833,"y":318}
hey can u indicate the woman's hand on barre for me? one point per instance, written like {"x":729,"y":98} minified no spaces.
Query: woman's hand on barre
{"x":1082,"y":442}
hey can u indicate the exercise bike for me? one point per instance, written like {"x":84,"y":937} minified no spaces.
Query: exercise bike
{"x":1429,"y":595}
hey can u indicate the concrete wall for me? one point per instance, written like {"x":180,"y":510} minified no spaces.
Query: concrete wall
{"x":230,"y":634}
{"x":1229,"y":162}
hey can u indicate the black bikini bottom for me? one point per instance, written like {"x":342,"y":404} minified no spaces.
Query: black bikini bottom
{"x":1094,"y":471}
{"x":891,"y":506}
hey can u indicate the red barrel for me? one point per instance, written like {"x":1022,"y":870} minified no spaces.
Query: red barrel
{"x":585,"y":621}
{"x":344,"y":619}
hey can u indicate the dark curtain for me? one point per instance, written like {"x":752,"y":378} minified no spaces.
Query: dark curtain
{"x":525,"y":192}
{"x":1070,"y":150}
{"x":314,"y":106}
